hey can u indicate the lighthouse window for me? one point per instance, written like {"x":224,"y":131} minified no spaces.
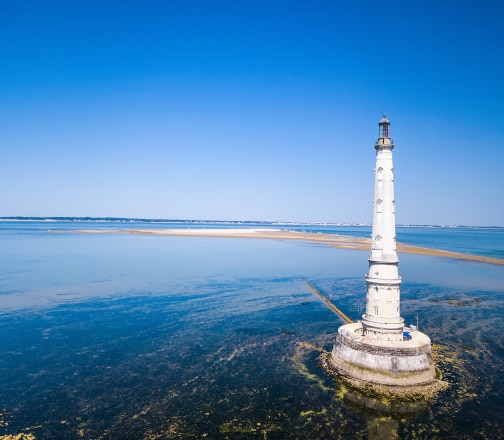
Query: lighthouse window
{"x":376,"y":310}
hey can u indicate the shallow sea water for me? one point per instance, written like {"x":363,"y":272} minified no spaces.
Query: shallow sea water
{"x":123,"y":336}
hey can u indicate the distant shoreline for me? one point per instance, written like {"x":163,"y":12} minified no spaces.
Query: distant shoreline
{"x":230,"y":223}
{"x":333,"y":240}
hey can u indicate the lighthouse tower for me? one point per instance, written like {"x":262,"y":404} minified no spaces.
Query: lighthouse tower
{"x":382,"y":320}
{"x":379,"y":350}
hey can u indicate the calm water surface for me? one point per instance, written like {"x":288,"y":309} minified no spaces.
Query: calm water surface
{"x":117,"y":336}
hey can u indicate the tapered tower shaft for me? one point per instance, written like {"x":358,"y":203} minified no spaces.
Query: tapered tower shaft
{"x":382,"y":320}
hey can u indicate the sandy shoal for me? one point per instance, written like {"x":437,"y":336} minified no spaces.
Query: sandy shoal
{"x":333,"y":240}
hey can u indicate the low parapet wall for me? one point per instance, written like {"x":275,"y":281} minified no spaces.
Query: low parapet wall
{"x":409,"y":348}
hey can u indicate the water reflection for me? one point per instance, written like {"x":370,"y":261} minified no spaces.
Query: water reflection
{"x":382,"y":407}
{"x":382,"y":416}
{"x":379,"y":428}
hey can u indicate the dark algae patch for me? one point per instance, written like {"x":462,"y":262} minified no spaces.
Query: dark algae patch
{"x":239,"y":359}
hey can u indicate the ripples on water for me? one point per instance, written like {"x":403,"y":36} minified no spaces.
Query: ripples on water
{"x":172,"y":337}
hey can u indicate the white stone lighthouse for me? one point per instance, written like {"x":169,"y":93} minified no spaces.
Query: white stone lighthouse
{"x":382,"y":320}
{"x":379,"y":349}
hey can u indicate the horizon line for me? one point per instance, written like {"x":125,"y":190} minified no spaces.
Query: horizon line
{"x":222,"y":221}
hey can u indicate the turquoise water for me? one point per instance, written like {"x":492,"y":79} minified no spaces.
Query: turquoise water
{"x":124,"y":336}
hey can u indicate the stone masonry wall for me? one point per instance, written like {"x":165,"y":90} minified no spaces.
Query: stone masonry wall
{"x":383,"y":365}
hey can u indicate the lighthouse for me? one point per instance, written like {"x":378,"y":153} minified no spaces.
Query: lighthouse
{"x":382,"y":320}
{"x":379,"y":349}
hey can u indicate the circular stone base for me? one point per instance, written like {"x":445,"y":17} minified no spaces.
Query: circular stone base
{"x":363,"y":360}
{"x":418,"y":393}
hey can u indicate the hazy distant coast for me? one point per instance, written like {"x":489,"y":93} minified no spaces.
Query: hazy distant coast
{"x":337,"y":241}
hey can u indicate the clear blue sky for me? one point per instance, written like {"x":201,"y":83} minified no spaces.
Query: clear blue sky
{"x":260,"y":110}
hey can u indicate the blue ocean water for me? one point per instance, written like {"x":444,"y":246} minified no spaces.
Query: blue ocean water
{"x":129,"y":336}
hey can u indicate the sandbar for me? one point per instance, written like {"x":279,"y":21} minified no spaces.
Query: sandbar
{"x":333,"y":240}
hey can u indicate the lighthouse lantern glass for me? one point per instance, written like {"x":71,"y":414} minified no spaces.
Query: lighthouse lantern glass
{"x":384,"y":129}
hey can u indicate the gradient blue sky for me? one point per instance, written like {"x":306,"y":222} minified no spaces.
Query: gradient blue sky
{"x":259,"y":110}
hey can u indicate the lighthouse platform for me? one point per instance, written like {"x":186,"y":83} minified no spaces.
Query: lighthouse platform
{"x":401,"y":363}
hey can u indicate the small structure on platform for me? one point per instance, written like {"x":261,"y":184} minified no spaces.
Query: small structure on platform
{"x":380,"y":350}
